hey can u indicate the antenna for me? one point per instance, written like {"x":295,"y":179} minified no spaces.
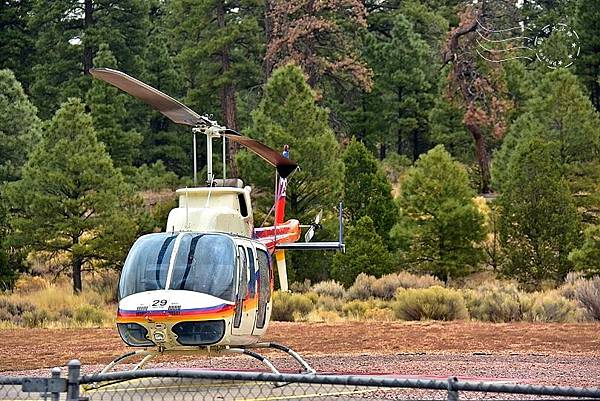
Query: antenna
{"x":224,"y":156}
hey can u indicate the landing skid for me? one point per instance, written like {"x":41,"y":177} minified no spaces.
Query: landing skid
{"x":148,"y":355}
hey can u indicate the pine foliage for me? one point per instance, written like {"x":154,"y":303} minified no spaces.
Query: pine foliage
{"x":71,"y":201}
{"x":439,"y":227}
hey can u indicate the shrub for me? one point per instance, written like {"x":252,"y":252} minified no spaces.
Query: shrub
{"x":552,"y":307}
{"x":36,"y":318}
{"x":89,"y":314}
{"x":435,"y":303}
{"x":287,"y":306}
{"x":386,"y":286}
{"x":329,"y":288}
{"x":356,"y":309}
{"x":587,"y":293}
{"x":327,"y":303}
{"x":300,"y":287}
{"x":495,"y":302}
{"x":14,"y":308}
{"x":28,"y":284}
{"x":362,"y":287}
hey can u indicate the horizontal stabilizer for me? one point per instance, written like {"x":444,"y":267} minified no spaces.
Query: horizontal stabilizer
{"x":312,"y":246}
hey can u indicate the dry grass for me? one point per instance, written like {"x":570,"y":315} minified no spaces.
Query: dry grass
{"x":39,"y":303}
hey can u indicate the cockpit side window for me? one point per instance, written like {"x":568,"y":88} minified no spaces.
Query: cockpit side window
{"x":205,"y":263}
{"x":147,"y":264}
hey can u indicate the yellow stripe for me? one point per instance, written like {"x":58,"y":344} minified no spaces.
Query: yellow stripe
{"x":289,"y":397}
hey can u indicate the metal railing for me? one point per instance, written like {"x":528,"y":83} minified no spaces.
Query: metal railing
{"x":168,"y":384}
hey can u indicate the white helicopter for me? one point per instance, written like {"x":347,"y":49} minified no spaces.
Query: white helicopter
{"x":206,"y":283}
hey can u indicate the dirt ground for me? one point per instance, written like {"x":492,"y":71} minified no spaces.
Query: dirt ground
{"x":29,"y":349}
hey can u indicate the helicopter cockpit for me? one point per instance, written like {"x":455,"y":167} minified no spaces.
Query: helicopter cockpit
{"x":203,"y":262}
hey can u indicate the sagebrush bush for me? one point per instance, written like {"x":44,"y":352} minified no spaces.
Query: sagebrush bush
{"x":587,"y":293}
{"x":287,"y":306}
{"x":385,"y":287}
{"x":331,"y":304}
{"x":496,"y":302}
{"x":362,"y":288}
{"x":550,"y":306}
{"x":301,"y":287}
{"x":36,"y":318}
{"x":434,"y":303}
{"x":330,"y":288}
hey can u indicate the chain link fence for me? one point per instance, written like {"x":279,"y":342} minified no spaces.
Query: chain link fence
{"x":196,"y":385}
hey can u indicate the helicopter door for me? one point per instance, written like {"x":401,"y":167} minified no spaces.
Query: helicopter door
{"x":264,"y":291}
{"x":245,"y":311}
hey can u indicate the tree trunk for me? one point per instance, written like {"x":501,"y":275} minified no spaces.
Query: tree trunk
{"x":481,"y":153}
{"x":310,"y":53}
{"x":88,"y":54}
{"x":268,"y":63}
{"x":415,"y":144}
{"x":382,"y":151}
{"x":227,"y":94}
{"x":76,"y":265}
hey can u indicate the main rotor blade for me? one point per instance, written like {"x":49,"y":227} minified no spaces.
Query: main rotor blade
{"x":284,"y":165}
{"x":171,"y":108}
{"x":181,"y":114}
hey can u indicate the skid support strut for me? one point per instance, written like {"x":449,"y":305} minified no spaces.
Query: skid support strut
{"x":305,"y":366}
{"x":147,"y":356}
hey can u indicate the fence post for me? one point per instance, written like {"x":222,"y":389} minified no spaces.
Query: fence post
{"x":452,"y":391}
{"x":55,"y":395}
{"x":73,"y":380}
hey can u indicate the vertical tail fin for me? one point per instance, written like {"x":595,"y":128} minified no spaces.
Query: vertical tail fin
{"x":279,"y":215}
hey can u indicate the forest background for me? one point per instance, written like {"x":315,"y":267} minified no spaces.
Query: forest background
{"x":458,"y":143}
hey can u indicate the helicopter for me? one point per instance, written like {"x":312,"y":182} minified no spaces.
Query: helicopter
{"x":205,"y":284}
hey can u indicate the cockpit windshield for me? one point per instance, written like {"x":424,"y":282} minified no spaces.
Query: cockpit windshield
{"x":147,"y":264}
{"x":205,"y":263}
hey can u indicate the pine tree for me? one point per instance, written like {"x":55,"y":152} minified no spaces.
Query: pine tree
{"x":71,"y":202}
{"x":107,"y":105}
{"x":588,"y":61}
{"x":405,"y":82}
{"x":365,"y":253}
{"x":439,"y":225}
{"x":219,"y":47}
{"x":288,"y":114}
{"x":19,"y":132}
{"x":164,"y":141}
{"x":538,"y":222}
{"x":17,"y":39}
{"x":69,"y":33}
{"x":321,"y":37}
{"x":19,"y":127}
{"x":366,"y":189}
{"x":586,"y":258}
{"x":559,"y":111}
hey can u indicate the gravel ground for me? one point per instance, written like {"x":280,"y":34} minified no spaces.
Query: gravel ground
{"x":565,"y":355}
